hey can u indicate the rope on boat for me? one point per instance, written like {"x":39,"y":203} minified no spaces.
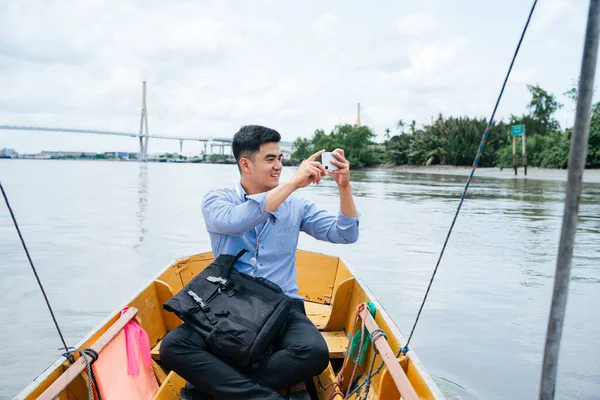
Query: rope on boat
{"x":367,"y":381}
{"x":85,"y":353}
{"x":405,"y":349}
{"x":68,"y":350}
{"x":340,"y":378}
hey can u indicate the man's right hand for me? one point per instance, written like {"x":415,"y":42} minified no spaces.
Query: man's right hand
{"x":309,"y":171}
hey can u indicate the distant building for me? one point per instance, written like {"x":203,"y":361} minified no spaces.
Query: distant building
{"x":67,"y":154}
{"x":8,"y":153}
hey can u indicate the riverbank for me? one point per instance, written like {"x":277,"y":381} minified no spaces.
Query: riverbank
{"x":589,"y":175}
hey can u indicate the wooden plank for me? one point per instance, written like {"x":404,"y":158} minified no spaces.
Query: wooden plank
{"x":45,"y":383}
{"x":342,"y":274}
{"x":159,"y":372}
{"x":323,"y":384}
{"x":79,"y":366}
{"x":317,"y":313}
{"x":337,"y":342}
{"x":150,"y":314}
{"x":169,"y":390}
{"x":164,"y":293}
{"x":193,"y":266}
{"x":316,"y":276}
{"x":393,"y":366}
{"x":155,"y":352}
{"x":172,"y":278}
{"x":387,"y":387}
{"x":339,"y":306}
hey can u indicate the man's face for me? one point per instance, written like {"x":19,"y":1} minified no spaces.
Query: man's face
{"x":265,"y":166}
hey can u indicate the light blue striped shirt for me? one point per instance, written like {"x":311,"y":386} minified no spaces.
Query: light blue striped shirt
{"x":234,"y":220}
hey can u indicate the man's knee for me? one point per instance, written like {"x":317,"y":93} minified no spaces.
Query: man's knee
{"x":314,"y":351}
{"x":169,"y":349}
{"x":177,"y":345}
{"x":320,"y":354}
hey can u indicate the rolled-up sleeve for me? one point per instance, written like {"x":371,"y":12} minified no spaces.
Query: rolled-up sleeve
{"x":324,"y":226}
{"x":223,"y":216}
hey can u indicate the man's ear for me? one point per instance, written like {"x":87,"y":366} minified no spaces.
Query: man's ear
{"x":245,"y":165}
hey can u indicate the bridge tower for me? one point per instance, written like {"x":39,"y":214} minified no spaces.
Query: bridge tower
{"x":144,"y":124}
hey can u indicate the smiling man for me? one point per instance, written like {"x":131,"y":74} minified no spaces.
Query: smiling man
{"x":261,"y":215}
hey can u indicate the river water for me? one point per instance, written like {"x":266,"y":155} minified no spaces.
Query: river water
{"x":98,"y":231}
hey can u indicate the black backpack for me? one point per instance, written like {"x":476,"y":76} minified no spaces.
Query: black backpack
{"x":238,"y":315}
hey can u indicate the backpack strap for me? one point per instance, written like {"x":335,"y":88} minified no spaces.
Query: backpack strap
{"x":228,"y":268}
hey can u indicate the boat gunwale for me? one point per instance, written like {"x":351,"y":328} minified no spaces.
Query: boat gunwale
{"x":419,"y":366}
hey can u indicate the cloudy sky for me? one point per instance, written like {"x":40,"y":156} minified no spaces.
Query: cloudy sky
{"x":212,"y":66}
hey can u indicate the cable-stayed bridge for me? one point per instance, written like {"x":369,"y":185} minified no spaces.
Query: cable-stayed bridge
{"x":143,"y":134}
{"x":213,"y":141}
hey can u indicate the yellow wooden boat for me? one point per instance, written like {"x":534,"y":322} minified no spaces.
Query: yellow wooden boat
{"x":333,"y":295}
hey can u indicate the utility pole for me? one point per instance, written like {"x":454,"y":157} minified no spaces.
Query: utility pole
{"x":144,"y":124}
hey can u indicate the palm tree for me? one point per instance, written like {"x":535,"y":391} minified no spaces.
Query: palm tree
{"x":400,"y":126}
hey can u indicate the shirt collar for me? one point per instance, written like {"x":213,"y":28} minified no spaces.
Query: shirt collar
{"x":241,"y":193}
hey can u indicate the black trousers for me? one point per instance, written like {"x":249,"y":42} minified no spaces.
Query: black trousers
{"x":300,"y":353}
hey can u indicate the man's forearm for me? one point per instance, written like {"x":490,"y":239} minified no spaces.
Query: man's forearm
{"x":347,"y":206}
{"x":275,"y":197}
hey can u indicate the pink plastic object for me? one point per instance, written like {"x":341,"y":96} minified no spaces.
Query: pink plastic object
{"x":124,"y":367}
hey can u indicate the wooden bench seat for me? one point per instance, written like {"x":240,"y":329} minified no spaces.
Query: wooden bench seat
{"x":318,"y":313}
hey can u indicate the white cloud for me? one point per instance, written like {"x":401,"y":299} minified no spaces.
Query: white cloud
{"x":325,"y":22}
{"x":426,"y":61}
{"x":340,"y":119}
{"x":214,"y":65}
{"x":549,"y":12}
{"x":416,"y":24}
{"x":523,"y":75}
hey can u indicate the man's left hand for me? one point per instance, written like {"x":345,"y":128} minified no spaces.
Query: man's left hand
{"x":341,"y":176}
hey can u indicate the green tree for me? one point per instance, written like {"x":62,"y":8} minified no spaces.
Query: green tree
{"x":302,"y":149}
{"x":413,"y":126}
{"x":397,"y":149}
{"x":400,"y":126}
{"x":593,"y":155}
{"x":357,"y":142}
{"x":541,"y":108}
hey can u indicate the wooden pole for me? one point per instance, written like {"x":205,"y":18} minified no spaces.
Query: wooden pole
{"x":577,"y":156}
{"x":524,"y":154}
{"x":514,"y":138}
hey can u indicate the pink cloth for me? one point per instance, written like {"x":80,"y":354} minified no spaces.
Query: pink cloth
{"x":135,"y":335}
{"x":124,"y":367}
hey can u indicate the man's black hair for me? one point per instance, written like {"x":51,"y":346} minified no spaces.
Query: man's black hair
{"x":247,"y":141}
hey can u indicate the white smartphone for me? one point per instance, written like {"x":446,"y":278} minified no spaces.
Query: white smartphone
{"x":326,"y":159}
